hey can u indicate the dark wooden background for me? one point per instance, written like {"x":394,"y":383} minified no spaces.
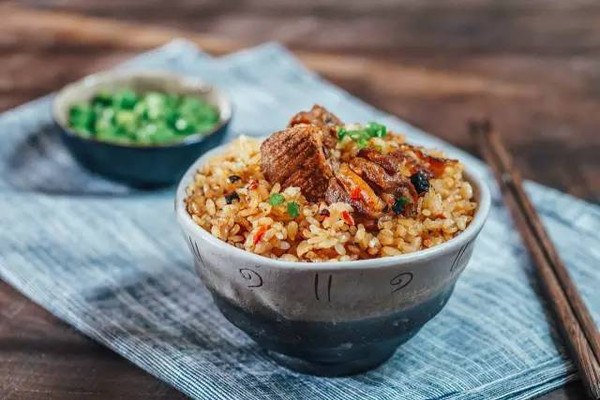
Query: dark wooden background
{"x":533,"y":66}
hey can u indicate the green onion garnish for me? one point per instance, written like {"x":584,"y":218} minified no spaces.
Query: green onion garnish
{"x":362,"y":143}
{"x":376,"y":130}
{"x":293,"y":209}
{"x":276,"y":199}
{"x":362,"y":135}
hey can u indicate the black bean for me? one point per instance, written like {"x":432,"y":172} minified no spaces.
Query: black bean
{"x":420,"y":181}
{"x":229,"y":198}
{"x":234,"y":178}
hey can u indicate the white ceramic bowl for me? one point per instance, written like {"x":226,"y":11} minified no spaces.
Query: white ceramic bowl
{"x":329,"y":318}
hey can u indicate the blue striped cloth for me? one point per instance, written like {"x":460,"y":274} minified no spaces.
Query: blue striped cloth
{"x":111,"y":261}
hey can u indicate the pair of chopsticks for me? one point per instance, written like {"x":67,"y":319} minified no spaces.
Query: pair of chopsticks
{"x":571,"y":314}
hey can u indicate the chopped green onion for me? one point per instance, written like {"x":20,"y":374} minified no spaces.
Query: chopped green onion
{"x":103,"y":98}
{"x":82,"y":118}
{"x":276,"y":199}
{"x":127,"y":117}
{"x":357,"y":135}
{"x":293,"y":209}
{"x":363,"y":134}
{"x":376,"y":130}
{"x":124,"y":99}
{"x":362,"y":143}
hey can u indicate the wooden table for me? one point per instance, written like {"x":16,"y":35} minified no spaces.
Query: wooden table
{"x":534,"y":67}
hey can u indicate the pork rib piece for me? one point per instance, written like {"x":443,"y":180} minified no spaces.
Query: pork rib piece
{"x":349,"y":187}
{"x":296,"y":157}
{"x":323,"y":118}
{"x":389,"y":186}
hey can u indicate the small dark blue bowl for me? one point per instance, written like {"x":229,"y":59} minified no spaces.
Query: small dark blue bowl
{"x":144,"y":166}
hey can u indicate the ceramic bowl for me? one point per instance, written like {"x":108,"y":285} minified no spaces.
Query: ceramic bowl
{"x":136,"y":165}
{"x":329,"y":318}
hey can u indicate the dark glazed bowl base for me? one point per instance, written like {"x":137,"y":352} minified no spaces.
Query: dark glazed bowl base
{"x":329,"y":348}
{"x":333,"y":369}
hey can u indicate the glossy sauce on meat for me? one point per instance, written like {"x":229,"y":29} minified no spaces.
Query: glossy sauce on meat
{"x":321,"y":117}
{"x":373,"y":183}
{"x":296,"y":157}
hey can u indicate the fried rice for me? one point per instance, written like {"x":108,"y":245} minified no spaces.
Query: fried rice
{"x":230,"y":198}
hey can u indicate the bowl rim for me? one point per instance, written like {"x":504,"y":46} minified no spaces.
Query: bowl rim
{"x":199,"y":85}
{"x":468,"y":235}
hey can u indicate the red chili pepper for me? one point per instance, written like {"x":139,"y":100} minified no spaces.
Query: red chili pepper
{"x":355,"y":194}
{"x":261,"y":232}
{"x":348,"y":218}
{"x":253,"y":185}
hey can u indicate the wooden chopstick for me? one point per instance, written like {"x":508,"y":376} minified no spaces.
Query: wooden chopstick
{"x":515,"y":182}
{"x":575,"y":299}
{"x":572,"y":315}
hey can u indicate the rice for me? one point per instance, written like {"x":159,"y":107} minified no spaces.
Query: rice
{"x":320,"y":232}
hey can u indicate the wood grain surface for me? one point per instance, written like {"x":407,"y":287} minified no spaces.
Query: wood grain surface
{"x":532,"y":66}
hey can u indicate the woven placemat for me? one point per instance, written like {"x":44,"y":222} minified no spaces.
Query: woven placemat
{"x":111,"y":261}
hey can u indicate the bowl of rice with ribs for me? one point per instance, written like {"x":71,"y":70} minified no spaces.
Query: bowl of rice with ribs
{"x":330,"y":243}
